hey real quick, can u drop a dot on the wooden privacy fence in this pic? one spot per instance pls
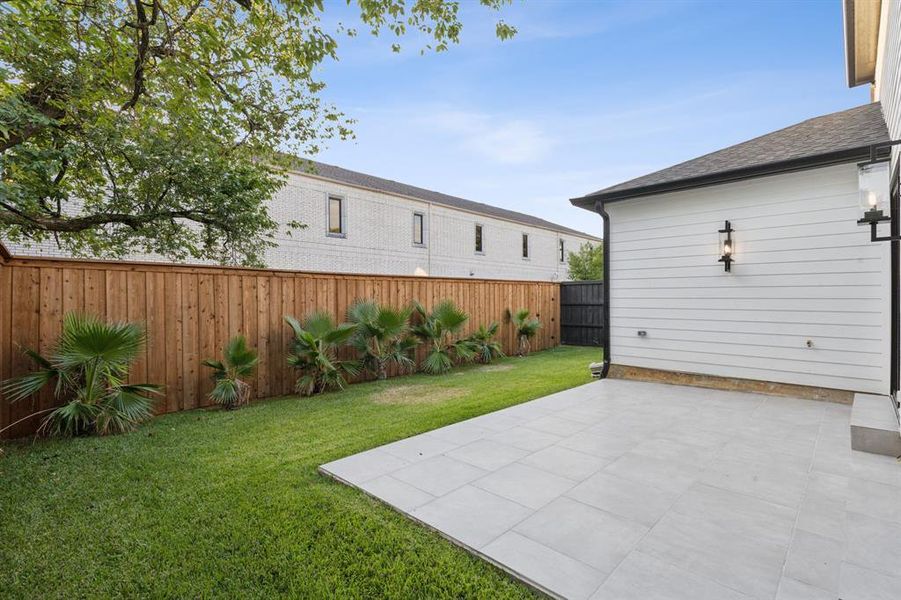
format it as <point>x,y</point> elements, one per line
<point>191,311</point>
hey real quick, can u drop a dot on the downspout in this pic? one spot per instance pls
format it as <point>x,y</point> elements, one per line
<point>605,332</point>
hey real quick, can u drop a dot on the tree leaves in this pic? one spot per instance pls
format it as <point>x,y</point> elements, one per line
<point>588,263</point>
<point>160,126</point>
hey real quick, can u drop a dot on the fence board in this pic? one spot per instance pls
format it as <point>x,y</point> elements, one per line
<point>190,312</point>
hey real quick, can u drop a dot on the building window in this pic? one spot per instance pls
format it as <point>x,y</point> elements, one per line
<point>525,245</point>
<point>562,251</point>
<point>336,216</point>
<point>480,248</point>
<point>418,229</point>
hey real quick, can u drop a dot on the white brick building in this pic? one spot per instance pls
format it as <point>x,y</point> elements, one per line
<point>384,227</point>
<point>382,223</point>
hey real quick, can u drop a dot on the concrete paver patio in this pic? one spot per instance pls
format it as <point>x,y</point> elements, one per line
<point>621,489</point>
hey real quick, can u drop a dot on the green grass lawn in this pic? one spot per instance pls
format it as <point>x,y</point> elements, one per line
<point>229,504</point>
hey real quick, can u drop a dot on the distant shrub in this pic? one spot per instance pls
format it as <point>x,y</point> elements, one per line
<point>438,329</point>
<point>382,337</point>
<point>239,361</point>
<point>483,345</point>
<point>526,328</point>
<point>314,352</point>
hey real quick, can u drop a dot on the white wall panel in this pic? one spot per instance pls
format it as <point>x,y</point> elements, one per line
<point>804,272</point>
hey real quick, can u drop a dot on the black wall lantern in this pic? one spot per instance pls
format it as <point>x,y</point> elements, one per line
<point>874,188</point>
<point>727,248</point>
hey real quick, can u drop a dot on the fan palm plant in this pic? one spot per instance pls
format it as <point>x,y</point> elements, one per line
<point>438,329</point>
<point>382,337</point>
<point>88,369</point>
<point>526,328</point>
<point>230,390</point>
<point>483,344</point>
<point>314,352</point>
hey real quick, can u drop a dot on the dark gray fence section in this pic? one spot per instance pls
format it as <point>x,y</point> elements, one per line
<point>582,313</point>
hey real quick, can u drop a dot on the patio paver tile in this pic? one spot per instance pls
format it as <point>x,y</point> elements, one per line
<point>397,493</point>
<point>699,546</point>
<point>635,501</point>
<point>676,450</point>
<point>643,577</point>
<point>782,484</point>
<point>526,439</point>
<point>439,475</point>
<point>543,566</point>
<point>859,583</point>
<point>738,514</point>
<point>792,589</point>
<point>471,515</point>
<point>815,560</point>
<point>556,425</point>
<point>590,535</point>
<point>417,448</point>
<point>364,466</point>
<point>488,454</point>
<point>666,475</point>
<point>565,462</point>
<point>873,543</point>
<point>599,444</point>
<point>525,485</point>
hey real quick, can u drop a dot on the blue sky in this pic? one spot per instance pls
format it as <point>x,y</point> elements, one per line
<point>588,94</point>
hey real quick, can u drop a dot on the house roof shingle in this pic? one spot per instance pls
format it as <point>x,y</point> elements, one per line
<point>829,139</point>
<point>346,176</point>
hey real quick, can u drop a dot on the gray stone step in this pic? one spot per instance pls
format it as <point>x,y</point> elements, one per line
<point>874,425</point>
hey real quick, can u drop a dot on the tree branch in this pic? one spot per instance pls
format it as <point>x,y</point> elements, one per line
<point>143,26</point>
<point>10,216</point>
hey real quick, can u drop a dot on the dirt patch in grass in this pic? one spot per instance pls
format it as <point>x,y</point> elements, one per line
<point>416,394</point>
<point>495,368</point>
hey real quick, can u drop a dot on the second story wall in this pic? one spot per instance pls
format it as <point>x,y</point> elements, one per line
<point>378,237</point>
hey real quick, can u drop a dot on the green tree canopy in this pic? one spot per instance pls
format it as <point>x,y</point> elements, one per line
<point>163,125</point>
<point>587,264</point>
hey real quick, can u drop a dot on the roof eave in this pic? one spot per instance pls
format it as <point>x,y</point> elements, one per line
<point>861,40</point>
<point>788,166</point>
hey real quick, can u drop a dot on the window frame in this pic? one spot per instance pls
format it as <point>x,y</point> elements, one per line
<point>562,247</point>
<point>526,246</point>
<point>423,243</point>
<point>478,239</point>
<point>342,215</point>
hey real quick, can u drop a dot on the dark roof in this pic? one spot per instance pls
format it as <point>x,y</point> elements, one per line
<point>831,139</point>
<point>395,187</point>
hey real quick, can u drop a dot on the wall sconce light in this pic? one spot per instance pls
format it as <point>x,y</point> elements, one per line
<point>873,189</point>
<point>727,247</point>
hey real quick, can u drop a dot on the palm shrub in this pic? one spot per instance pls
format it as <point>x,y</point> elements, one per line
<point>483,344</point>
<point>238,361</point>
<point>437,329</point>
<point>526,328</point>
<point>314,352</point>
<point>88,369</point>
<point>382,337</point>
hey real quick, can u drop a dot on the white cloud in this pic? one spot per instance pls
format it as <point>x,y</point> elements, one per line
<point>492,137</point>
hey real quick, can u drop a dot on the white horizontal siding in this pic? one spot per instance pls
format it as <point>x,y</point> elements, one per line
<point>804,273</point>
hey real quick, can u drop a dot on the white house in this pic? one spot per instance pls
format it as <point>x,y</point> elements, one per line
<point>797,296</point>
<point>358,223</point>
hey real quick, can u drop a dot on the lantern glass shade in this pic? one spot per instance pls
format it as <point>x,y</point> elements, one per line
<point>874,188</point>
<point>727,244</point>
